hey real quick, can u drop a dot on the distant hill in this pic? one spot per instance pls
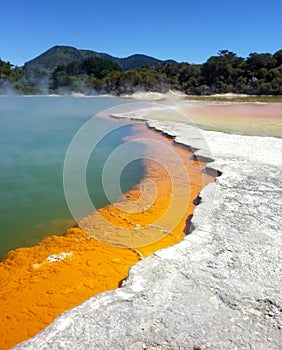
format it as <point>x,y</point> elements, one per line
<point>39,69</point>
<point>138,60</point>
<point>65,69</point>
<point>61,55</point>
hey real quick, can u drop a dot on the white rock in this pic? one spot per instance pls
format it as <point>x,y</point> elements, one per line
<point>218,289</point>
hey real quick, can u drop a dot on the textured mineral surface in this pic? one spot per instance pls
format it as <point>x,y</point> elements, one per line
<point>220,288</point>
<point>40,282</point>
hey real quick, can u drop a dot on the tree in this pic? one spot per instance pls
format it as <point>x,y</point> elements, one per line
<point>278,57</point>
<point>255,61</point>
<point>217,73</point>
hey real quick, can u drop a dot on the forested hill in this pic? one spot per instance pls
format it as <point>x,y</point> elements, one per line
<point>37,72</point>
<point>63,55</point>
<point>66,69</point>
<point>46,63</point>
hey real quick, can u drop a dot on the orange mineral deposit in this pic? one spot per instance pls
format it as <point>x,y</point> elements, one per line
<point>40,282</point>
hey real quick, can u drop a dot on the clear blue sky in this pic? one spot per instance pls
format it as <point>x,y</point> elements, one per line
<point>188,30</point>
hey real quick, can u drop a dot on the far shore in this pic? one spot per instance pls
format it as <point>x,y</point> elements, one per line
<point>167,96</point>
<point>243,118</point>
<point>226,98</point>
<point>231,113</point>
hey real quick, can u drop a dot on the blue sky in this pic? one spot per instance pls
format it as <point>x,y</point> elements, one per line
<point>190,31</point>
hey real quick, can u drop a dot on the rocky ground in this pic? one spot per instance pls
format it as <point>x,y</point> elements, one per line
<point>217,289</point>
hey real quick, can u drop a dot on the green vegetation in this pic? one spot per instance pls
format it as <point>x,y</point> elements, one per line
<point>86,75</point>
<point>64,68</point>
<point>259,74</point>
<point>137,61</point>
<point>13,79</point>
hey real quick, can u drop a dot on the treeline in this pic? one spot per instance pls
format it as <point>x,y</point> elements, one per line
<point>13,79</point>
<point>258,74</point>
<point>86,75</point>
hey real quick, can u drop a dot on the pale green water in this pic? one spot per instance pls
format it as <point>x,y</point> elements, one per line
<point>35,133</point>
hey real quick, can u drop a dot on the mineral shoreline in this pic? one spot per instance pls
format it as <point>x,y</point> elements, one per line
<point>40,282</point>
<point>219,288</point>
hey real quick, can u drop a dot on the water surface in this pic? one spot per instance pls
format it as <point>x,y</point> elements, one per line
<point>35,133</point>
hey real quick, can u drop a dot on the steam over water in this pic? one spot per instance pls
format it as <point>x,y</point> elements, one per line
<point>35,133</point>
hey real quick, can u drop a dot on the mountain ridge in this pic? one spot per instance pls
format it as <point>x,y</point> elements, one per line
<point>65,68</point>
<point>63,54</point>
<point>39,69</point>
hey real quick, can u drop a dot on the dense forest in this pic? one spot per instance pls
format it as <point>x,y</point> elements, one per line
<point>87,75</point>
<point>12,79</point>
<point>258,74</point>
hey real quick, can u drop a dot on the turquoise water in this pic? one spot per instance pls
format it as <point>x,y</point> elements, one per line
<point>35,133</point>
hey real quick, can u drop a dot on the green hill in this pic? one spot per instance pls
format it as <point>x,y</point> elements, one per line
<point>38,70</point>
<point>62,55</point>
<point>64,69</point>
<point>137,61</point>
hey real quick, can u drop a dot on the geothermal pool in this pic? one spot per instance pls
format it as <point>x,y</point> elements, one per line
<point>34,137</point>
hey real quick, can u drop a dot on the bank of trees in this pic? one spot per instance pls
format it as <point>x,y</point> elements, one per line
<point>86,75</point>
<point>12,79</point>
<point>258,74</point>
